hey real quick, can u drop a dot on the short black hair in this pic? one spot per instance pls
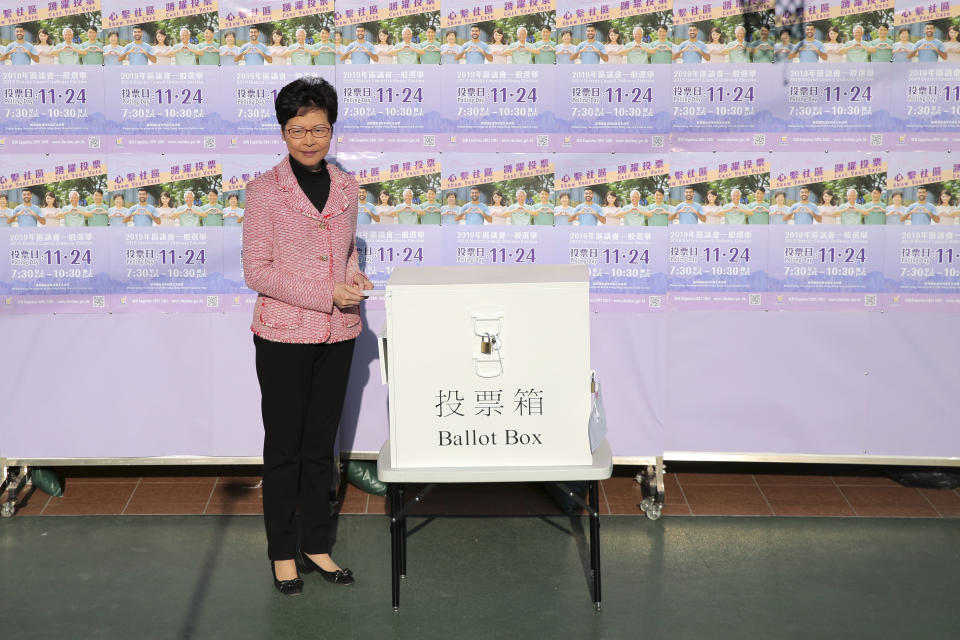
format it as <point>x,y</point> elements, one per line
<point>304,95</point>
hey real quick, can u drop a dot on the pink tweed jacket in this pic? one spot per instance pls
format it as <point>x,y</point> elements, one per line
<point>293,255</point>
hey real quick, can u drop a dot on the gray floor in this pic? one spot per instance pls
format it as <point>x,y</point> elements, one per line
<point>208,577</point>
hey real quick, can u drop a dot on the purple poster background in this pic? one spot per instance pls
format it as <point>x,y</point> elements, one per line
<point>604,109</point>
<point>52,100</point>
<point>491,107</point>
<point>164,100</point>
<point>392,107</point>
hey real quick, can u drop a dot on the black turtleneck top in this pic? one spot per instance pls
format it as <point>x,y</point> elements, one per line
<point>316,184</point>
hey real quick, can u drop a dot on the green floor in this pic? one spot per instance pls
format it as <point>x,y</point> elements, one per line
<point>208,577</point>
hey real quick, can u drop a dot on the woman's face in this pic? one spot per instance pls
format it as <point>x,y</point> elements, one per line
<point>827,198</point>
<point>118,201</point>
<point>833,34</point>
<point>715,36</point>
<point>277,37</point>
<point>904,36</point>
<point>497,37</point>
<point>613,37</point>
<point>452,199</point>
<point>711,198</point>
<point>497,199</point>
<point>384,198</point>
<point>49,199</point>
<point>231,40</point>
<point>383,37</point>
<point>310,149</point>
<point>780,198</point>
<point>44,38</point>
<point>566,38</point>
<point>451,38</point>
<point>565,200</point>
<point>165,200</point>
<point>162,38</point>
<point>611,199</point>
<point>944,198</point>
<point>337,38</point>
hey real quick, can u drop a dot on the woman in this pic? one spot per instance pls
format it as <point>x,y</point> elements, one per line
<point>611,209</point>
<point>779,210</point>
<point>903,49</point>
<point>449,49</point>
<point>338,44</point>
<point>299,254</point>
<point>828,208</point>
<point>50,210</point>
<point>952,44</point>
<point>164,51</point>
<point>44,48</point>
<point>614,47</point>
<point>166,211</point>
<point>385,208</point>
<point>450,211</point>
<point>498,209</point>
<point>278,48</point>
<point>232,213</point>
<point>566,48</point>
<point>113,50</point>
<point>781,51</point>
<point>711,208</point>
<point>563,211</point>
<point>833,45</point>
<point>384,48</point>
<point>717,46</point>
<point>896,211</point>
<point>118,213</point>
<point>497,49</point>
<point>947,212</point>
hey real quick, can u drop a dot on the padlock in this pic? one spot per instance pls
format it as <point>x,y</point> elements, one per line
<point>486,345</point>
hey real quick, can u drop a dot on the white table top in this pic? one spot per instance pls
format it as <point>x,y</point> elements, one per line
<point>600,469</point>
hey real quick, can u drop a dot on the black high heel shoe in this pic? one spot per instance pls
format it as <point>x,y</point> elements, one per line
<point>340,576</point>
<point>286,587</point>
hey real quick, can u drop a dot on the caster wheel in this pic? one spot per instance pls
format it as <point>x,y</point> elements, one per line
<point>7,509</point>
<point>653,511</point>
<point>645,504</point>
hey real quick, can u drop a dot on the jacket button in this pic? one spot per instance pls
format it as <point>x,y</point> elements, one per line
<point>323,258</point>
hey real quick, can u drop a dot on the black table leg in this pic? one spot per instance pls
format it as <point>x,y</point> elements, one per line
<point>403,532</point>
<point>392,490</point>
<point>594,488</point>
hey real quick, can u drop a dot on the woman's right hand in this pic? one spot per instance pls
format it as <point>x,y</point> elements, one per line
<point>346,295</point>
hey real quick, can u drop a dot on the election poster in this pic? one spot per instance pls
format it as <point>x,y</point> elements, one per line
<point>826,250</point>
<point>718,237</point>
<point>168,255</point>
<point>399,211</point>
<point>922,262</point>
<point>605,202</point>
<point>52,262</point>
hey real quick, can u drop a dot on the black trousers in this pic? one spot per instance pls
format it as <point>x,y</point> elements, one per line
<point>302,389</point>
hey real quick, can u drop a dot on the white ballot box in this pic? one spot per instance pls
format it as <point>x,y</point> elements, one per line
<point>488,366</point>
